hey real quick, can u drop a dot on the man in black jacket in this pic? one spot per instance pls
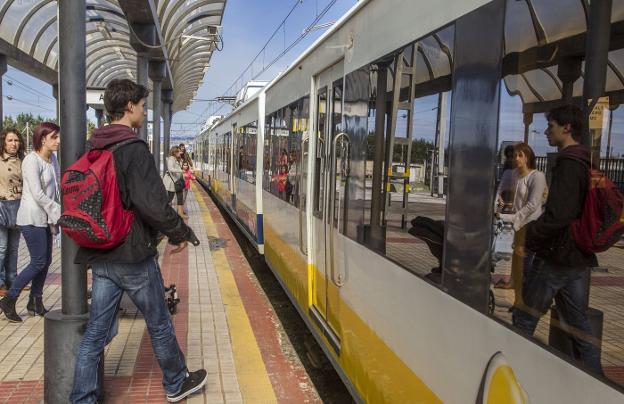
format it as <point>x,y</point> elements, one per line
<point>132,267</point>
<point>558,268</point>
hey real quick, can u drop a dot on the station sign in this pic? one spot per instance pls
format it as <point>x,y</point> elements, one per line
<point>597,117</point>
<point>95,98</point>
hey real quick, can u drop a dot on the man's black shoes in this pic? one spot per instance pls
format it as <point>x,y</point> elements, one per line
<point>193,382</point>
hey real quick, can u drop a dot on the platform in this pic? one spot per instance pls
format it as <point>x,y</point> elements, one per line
<point>224,323</point>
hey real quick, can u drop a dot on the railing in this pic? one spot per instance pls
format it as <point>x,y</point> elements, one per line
<point>613,168</point>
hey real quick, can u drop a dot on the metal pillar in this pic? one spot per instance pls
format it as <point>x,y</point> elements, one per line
<point>157,73</point>
<point>378,162</point>
<point>596,58</point>
<point>568,71</point>
<point>167,99</point>
<point>472,154</point>
<point>145,34</point>
<point>440,140</point>
<point>142,76</point>
<point>99,116</point>
<point>527,119</point>
<point>63,328</point>
<point>3,69</point>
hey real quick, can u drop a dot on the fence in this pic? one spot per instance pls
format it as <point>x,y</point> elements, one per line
<point>612,168</point>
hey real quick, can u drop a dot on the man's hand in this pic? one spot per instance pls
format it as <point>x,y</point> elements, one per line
<point>179,247</point>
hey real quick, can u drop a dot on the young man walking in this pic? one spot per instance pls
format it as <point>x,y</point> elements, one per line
<point>559,268</point>
<point>132,267</point>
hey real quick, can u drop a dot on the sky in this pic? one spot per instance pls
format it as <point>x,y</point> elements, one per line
<point>247,25</point>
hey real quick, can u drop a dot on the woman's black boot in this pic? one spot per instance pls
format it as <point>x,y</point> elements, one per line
<point>35,306</point>
<point>7,305</point>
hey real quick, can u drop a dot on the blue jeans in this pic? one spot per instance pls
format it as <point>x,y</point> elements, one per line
<point>544,282</point>
<point>144,285</point>
<point>39,243</point>
<point>9,246</point>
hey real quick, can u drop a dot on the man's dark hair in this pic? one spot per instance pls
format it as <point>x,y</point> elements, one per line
<point>117,95</point>
<point>568,114</point>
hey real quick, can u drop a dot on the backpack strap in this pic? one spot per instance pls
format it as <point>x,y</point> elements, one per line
<point>117,145</point>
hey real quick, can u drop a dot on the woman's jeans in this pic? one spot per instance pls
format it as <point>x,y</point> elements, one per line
<point>9,246</point>
<point>39,243</point>
<point>144,285</point>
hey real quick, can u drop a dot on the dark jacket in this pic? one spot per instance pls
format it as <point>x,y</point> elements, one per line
<point>549,236</point>
<point>143,192</point>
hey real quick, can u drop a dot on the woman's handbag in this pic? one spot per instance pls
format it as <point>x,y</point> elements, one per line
<point>8,213</point>
<point>178,184</point>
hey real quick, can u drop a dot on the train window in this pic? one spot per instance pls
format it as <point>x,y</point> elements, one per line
<point>246,153</point>
<point>396,200</point>
<point>268,131</point>
<point>537,266</point>
<point>288,126</point>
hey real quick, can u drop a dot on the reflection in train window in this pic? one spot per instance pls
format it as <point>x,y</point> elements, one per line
<point>398,133</point>
<point>533,177</point>
<point>283,170</point>
<point>246,152</point>
<point>319,174</point>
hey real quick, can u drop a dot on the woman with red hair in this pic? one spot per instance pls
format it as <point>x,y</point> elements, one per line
<point>37,216</point>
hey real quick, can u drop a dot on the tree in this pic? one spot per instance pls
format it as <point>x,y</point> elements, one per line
<point>26,123</point>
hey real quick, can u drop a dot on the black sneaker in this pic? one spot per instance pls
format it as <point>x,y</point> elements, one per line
<point>193,382</point>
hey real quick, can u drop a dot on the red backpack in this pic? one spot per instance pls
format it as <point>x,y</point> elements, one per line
<point>93,213</point>
<point>601,224</point>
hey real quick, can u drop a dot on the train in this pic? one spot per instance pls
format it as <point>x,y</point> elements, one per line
<point>320,170</point>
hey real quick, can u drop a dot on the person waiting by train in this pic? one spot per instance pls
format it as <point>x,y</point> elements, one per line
<point>11,157</point>
<point>529,196</point>
<point>188,177</point>
<point>185,156</point>
<point>38,214</point>
<point>174,175</point>
<point>559,268</point>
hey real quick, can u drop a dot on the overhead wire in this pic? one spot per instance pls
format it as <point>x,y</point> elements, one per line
<point>11,98</point>
<point>12,81</point>
<point>260,52</point>
<point>282,54</point>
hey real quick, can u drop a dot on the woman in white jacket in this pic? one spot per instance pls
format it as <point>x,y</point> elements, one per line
<point>173,174</point>
<point>37,216</point>
<point>529,196</point>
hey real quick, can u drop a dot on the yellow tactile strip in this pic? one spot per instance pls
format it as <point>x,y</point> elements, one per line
<point>254,382</point>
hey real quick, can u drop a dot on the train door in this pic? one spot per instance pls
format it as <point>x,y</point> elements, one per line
<point>328,119</point>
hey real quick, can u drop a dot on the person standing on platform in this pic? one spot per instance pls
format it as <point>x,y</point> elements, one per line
<point>188,177</point>
<point>11,157</point>
<point>37,217</point>
<point>174,174</point>
<point>560,269</point>
<point>132,267</point>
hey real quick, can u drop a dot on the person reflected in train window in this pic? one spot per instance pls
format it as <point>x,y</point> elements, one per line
<point>279,180</point>
<point>291,180</point>
<point>283,160</point>
<point>504,193</point>
<point>559,269</point>
<point>242,162</point>
<point>529,196</point>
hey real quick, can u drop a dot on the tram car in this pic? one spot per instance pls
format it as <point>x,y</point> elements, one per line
<point>319,168</point>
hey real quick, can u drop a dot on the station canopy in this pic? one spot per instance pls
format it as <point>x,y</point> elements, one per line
<point>539,35</point>
<point>187,34</point>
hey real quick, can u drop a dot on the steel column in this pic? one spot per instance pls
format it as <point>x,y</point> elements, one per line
<point>472,154</point>
<point>378,162</point>
<point>63,329</point>
<point>3,69</point>
<point>596,58</point>
<point>167,99</point>
<point>142,76</point>
<point>99,116</point>
<point>157,73</point>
